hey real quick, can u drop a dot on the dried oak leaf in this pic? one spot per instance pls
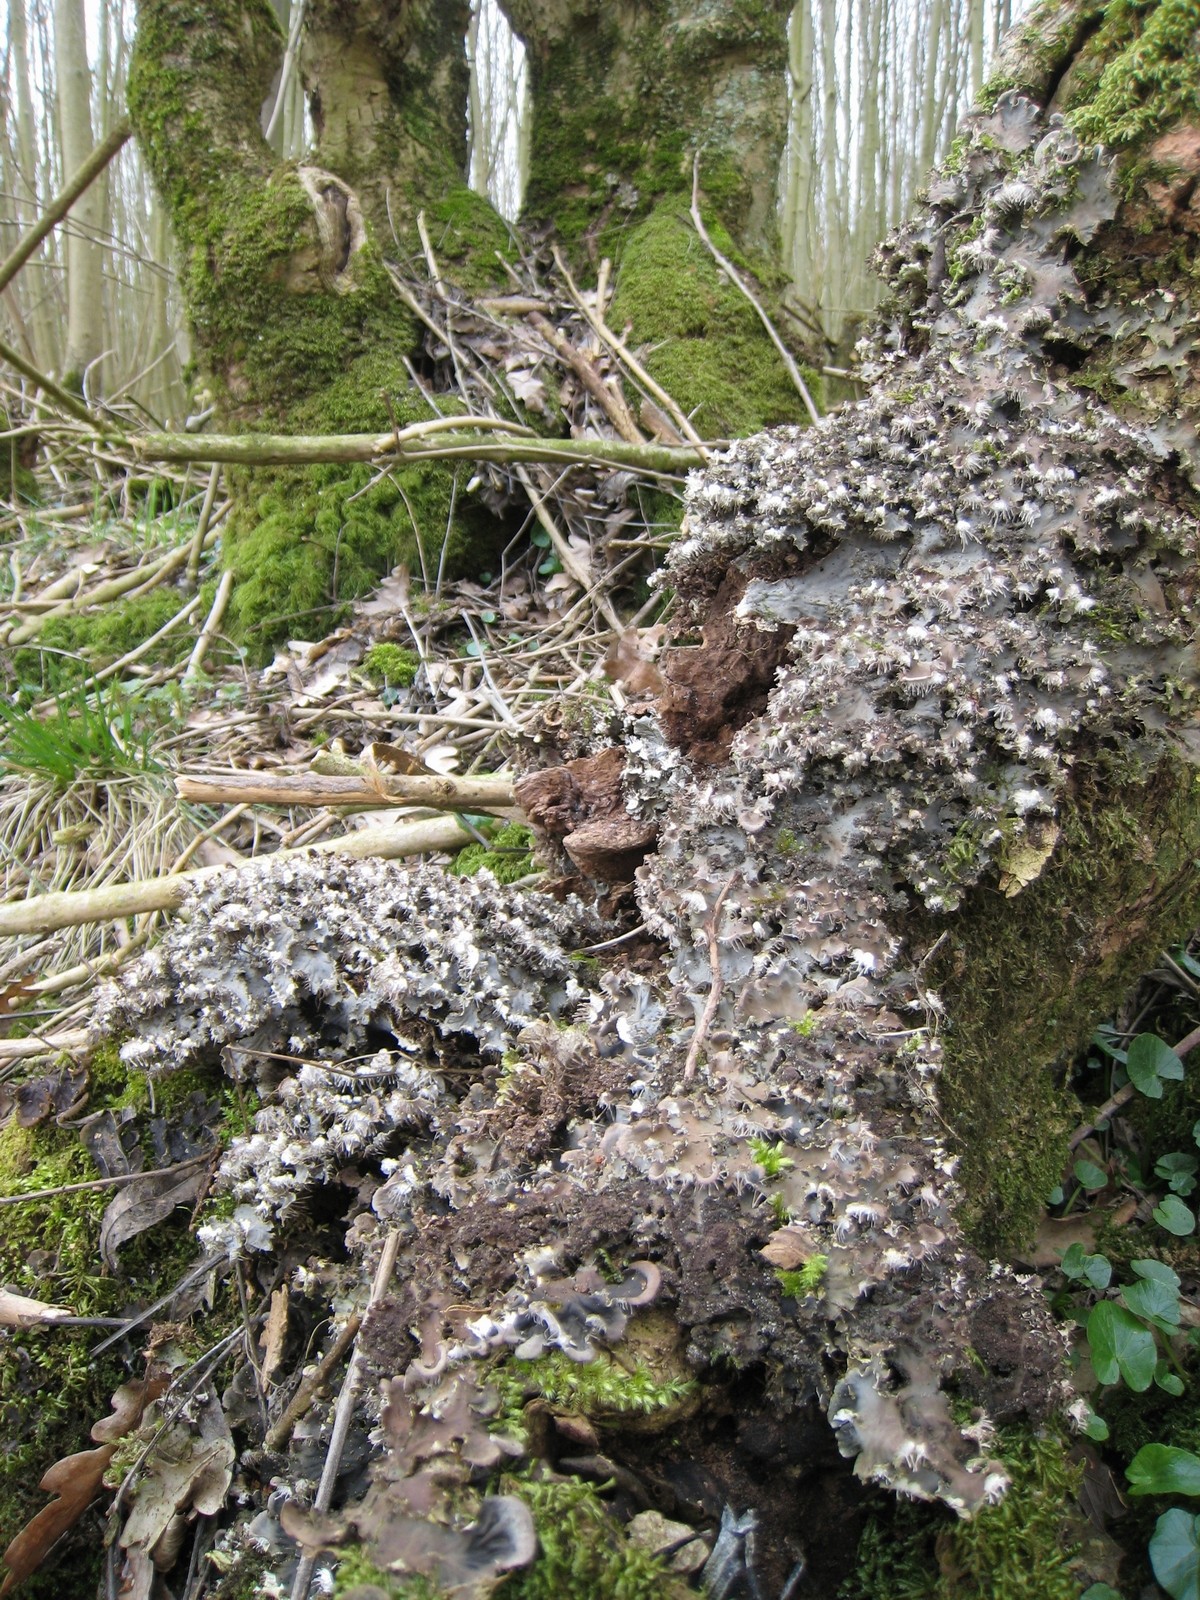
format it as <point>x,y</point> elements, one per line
<point>187,1471</point>
<point>142,1204</point>
<point>75,1481</point>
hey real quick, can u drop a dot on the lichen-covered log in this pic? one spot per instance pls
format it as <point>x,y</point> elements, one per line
<point>916,794</point>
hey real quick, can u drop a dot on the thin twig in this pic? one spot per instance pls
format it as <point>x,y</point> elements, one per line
<point>277,1434</point>
<point>1124,1094</point>
<point>113,1182</point>
<point>738,282</point>
<point>344,1412</point>
<point>716,982</point>
<point>211,624</point>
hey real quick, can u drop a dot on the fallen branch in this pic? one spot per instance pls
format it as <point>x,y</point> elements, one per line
<point>314,789</point>
<point>64,200</point>
<point>45,913</point>
<point>606,395</point>
<point>282,450</point>
<point>212,623</point>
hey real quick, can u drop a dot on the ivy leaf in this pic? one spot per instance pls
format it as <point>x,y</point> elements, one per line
<point>1196,1131</point>
<point>1095,1271</point>
<point>1174,1216</point>
<point>1155,1301</point>
<point>1170,1382</point>
<point>1148,1267</point>
<point>1163,1469</point>
<point>1150,1062</point>
<point>1121,1346</point>
<point>1090,1175</point>
<point>1100,1591</point>
<point>1175,1554</point>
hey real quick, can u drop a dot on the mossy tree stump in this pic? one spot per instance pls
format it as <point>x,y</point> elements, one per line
<point>295,322</point>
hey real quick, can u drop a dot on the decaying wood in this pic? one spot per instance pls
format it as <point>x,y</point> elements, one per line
<point>45,912</point>
<point>304,789</point>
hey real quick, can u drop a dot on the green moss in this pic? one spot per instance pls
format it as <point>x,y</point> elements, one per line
<point>708,348</point>
<point>72,647</point>
<point>603,1389</point>
<point>1026,978</point>
<point>355,1568</point>
<point>508,855</point>
<point>1140,74</point>
<point>1020,1549</point>
<point>808,1280</point>
<point>303,541</point>
<point>583,1554</point>
<point>391,666</point>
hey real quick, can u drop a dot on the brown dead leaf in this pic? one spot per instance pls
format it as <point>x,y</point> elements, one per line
<point>128,1404</point>
<point>629,665</point>
<point>12,997</point>
<point>75,1481</point>
<point>1055,1235</point>
<point>142,1204</point>
<point>184,1472</point>
<point>55,1094</point>
<point>788,1248</point>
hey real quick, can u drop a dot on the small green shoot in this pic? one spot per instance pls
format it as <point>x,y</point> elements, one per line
<point>89,735</point>
<point>770,1158</point>
<point>807,1281</point>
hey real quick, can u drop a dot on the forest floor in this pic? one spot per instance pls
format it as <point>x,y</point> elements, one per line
<point>131,727</point>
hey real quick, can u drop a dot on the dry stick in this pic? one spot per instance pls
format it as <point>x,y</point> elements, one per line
<point>212,623</point>
<point>609,398</point>
<point>1125,1094</point>
<point>277,1434</point>
<point>313,789</point>
<point>98,967</point>
<point>716,982</point>
<point>282,450</point>
<point>45,913</point>
<point>735,278</point>
<point>564,552</point>
<point>111,589</point>
<point>65,401</point>
<point>37,1044</point>
<point>344,1412</point>
<point>623,353</point>
<point>103,1183</point>
<point>430,259</point>
<point>197,549</point>
<point>64,200</point>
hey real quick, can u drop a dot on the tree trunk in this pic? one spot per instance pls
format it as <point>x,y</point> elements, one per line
<point>912,813</point>
<point>295,321</point>
<point>84,247</point>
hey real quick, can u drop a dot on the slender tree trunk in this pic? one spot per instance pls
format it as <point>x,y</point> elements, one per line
<point>84,248</point>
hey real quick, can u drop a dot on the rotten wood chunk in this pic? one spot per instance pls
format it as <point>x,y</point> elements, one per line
<point>582,807</point>
<point>713,688</point>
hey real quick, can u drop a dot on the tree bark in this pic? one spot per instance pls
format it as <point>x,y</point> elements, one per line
<point>84,248</point>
